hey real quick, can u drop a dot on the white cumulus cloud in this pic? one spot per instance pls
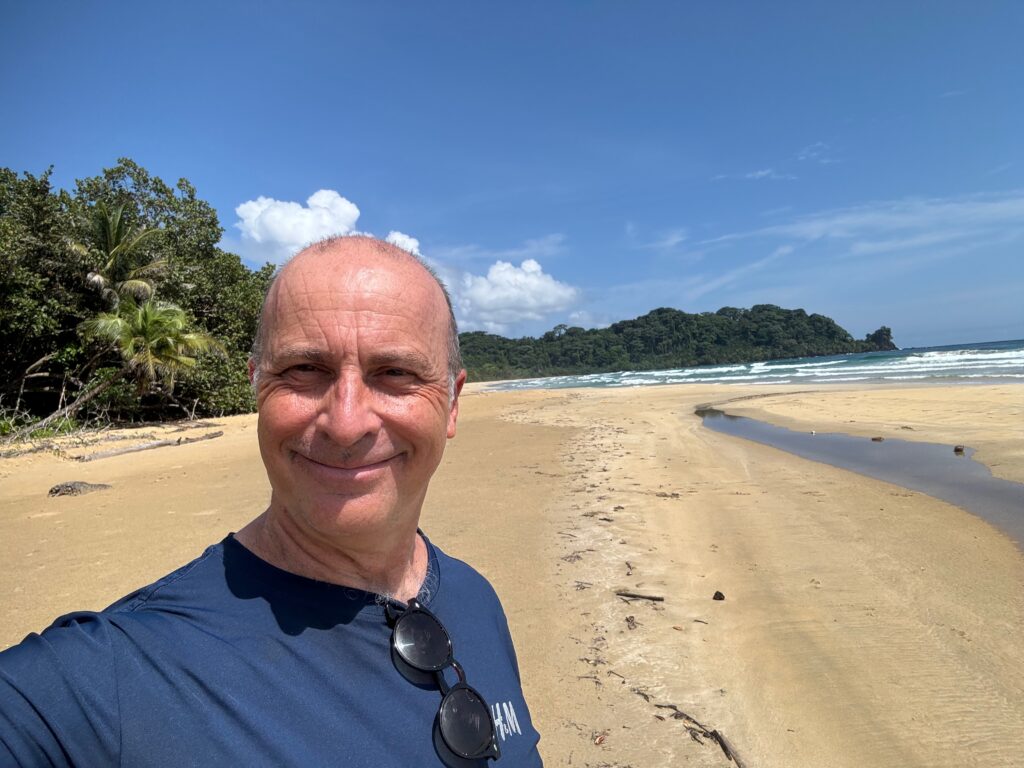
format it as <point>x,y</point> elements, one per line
<point>278,228</point>
<point>404,241</point>
<point>508,295</point>
<point>504,300</point>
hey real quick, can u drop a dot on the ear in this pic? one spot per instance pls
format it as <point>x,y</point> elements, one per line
<point>252,371</point>
<point>453,413</point>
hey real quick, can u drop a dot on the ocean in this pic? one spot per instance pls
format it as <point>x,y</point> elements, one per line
<point>992,362</point>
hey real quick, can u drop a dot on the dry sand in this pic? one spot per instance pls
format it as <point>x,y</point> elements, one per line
<point>863,625</point>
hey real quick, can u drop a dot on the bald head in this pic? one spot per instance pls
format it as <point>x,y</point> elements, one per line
<point>328,254</point>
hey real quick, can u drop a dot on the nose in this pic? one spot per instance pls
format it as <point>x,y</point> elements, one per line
<point>348,410</point>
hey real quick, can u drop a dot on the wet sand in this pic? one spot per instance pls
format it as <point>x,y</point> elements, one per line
<point>862,625</point>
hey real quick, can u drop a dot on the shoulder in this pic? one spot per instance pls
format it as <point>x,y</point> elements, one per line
<point>467,602</point>
<point>84,642</point>
<point>198,577</point>
<point>459,580</point>
<point>61,690</point>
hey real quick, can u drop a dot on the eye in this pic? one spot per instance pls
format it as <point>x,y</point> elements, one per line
<point>301,368</point>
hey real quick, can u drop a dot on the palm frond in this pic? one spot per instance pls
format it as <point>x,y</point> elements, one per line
<point>119,246</point>
<point>152,338</point>
<point>136,289</point>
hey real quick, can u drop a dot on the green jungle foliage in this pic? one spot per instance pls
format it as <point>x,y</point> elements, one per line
<point>665,338</point>
<point>117,304</point>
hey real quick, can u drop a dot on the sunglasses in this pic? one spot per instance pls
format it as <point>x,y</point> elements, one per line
<point>420,640</point>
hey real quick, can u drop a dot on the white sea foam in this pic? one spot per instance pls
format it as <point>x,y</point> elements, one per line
<point>801,365</point>
<point>1004,362</point>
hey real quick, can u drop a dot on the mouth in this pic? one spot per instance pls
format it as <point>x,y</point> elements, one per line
<point>345,470</point>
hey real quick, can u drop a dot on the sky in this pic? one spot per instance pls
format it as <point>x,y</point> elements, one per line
<point>571,162</point>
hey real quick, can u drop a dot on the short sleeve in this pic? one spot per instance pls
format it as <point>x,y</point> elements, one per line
<point>59,697</point>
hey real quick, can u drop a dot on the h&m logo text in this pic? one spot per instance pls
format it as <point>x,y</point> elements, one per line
<point>505,721</point>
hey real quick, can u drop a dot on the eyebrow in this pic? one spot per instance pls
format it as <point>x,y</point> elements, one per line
<point>397,358</point>
<point>309,354</point>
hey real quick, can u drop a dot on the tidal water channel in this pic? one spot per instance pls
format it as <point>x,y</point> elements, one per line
<point>930,468</point>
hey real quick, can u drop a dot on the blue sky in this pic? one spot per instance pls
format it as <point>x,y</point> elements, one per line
<point>572,162</point>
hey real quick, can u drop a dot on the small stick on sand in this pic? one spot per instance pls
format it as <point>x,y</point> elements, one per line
<point>638,596</point>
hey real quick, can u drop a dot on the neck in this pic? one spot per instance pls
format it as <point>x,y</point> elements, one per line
<point>394,565</point>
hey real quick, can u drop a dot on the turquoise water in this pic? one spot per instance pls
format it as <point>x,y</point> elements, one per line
<point>990,362</point>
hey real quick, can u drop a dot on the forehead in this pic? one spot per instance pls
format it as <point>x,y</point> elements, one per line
<point>384,297</point>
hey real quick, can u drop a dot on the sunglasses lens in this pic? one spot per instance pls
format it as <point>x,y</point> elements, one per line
<point>422,642</point>
<point>466,724</point>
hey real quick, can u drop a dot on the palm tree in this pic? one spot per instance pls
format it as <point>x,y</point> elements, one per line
<point>153,342</point>
<point>117,245</point>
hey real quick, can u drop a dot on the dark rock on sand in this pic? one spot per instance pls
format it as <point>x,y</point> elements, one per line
<point>718,596</point>
<point>76,488</point>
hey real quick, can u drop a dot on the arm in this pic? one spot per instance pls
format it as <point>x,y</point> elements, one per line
<point>58,696</point>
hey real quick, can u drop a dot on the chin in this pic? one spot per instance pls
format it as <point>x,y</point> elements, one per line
<point>349,515</point>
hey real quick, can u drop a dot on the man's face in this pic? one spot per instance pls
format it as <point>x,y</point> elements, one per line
<point>352,394</point>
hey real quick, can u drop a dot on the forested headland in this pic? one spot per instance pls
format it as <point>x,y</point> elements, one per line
<point>664,339</point>
<point>117,305</point>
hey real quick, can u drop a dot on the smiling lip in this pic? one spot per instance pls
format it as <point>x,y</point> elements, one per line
<point>353,470</point>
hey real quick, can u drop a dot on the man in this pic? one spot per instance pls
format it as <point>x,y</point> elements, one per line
<point>328,631</point>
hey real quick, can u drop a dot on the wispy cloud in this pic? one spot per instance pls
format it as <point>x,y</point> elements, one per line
<point>891,245</point>
<point>772,213</point>
<point>953,94</point>
<point>736,274</point>
<point>769,173</point>
<point>667,241</point>
<point>845,250</point>
<point>762,174</point>
<point>999,169</point>
<point>542,247</point>
<point>956,217</point>
<point>859,264</point>
<point>819,152</point>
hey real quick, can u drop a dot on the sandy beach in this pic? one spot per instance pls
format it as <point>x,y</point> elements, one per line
<point>863,624</point>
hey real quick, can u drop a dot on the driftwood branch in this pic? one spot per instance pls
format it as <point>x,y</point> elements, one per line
<point>638,596</point>
<point>697,730</point>
<point>147,447</point>
<point>727,748</point>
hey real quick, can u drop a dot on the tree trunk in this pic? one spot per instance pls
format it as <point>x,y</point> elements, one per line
<point>26,375</point>
<point>60,413</point>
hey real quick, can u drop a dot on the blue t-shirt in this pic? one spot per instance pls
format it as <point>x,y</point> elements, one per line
<point>231,661</point>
